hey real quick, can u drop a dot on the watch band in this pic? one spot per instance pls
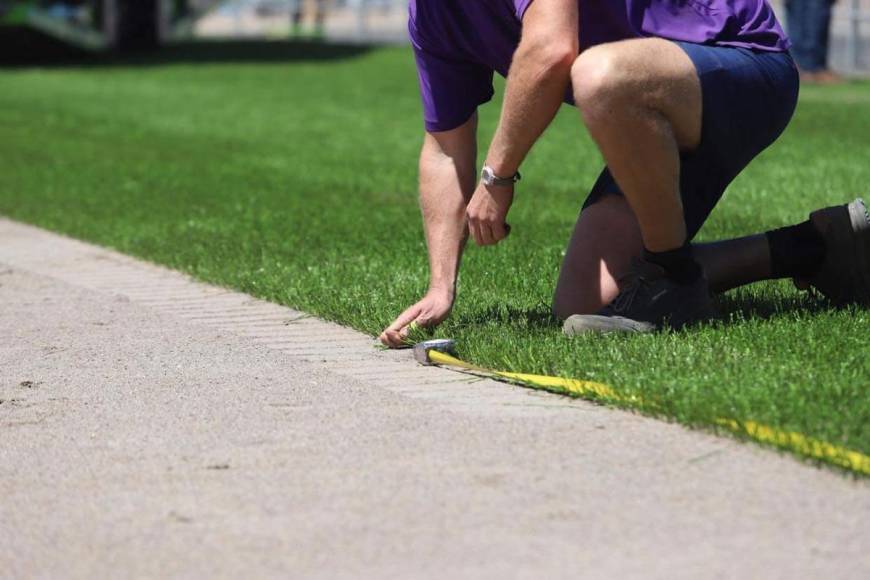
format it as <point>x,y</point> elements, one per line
<point>488,177</point>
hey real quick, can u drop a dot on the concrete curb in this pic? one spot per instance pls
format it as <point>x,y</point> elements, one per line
<point>337,349</point>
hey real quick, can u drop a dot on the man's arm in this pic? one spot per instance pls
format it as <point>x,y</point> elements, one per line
<point>536,85</point>
<point>447,178</point>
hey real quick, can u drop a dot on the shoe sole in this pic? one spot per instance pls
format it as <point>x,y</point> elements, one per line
<point>597,324</point>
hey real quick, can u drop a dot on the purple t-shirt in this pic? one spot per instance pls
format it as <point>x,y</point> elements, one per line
<point>459,44</point>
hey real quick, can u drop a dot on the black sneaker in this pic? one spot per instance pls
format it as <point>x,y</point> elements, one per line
<point>648,301</point>
<point>844,276</point>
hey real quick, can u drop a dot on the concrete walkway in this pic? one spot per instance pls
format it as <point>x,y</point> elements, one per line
<point>151,426</point>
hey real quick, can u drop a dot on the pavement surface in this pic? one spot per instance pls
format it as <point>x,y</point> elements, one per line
<point>152,426</point>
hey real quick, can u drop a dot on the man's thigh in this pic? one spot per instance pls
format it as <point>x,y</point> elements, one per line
<point>748,99</point>
<point>651,73</point>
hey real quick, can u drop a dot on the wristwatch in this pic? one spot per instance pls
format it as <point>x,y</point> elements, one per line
<point>488,177</point>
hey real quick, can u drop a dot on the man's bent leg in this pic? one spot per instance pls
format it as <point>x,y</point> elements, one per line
<point>664,116</point>
<point>607,238</point>
<point>831,251</point>
<point>641,101</point>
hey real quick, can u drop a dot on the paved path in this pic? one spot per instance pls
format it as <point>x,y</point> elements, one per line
<point>151,426</point>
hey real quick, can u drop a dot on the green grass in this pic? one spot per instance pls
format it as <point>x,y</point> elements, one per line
<point>295,179</point>
<point>17,14</point>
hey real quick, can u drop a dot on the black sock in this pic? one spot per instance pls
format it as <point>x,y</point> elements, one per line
<point>679,264</point>
<point>795,251</point>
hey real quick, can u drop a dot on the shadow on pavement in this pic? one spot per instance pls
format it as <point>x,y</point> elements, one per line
<point>21,47</point>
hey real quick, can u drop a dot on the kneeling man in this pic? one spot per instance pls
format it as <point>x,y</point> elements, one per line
<point>678,95</point>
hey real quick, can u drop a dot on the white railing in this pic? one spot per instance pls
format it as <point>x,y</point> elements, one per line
<point>856,15</point>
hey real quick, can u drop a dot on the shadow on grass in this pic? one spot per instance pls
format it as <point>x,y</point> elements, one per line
<point>745,306</point>
<point>535,318</point>
<point>731,308</point>
<point>22,47</point>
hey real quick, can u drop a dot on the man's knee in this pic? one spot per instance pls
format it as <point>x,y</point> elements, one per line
<point>598,80</point>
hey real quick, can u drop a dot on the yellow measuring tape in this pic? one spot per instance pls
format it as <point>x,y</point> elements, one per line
<point>797,442</point>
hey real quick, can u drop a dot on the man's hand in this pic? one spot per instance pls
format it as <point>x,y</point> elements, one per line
<point>487,212</point>
<point>429,312</point>
<point>447,177</point>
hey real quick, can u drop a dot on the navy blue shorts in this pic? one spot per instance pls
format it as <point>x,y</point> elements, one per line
<point>749,97</point>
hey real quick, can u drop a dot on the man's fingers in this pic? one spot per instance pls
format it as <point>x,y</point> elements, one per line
<point>394,338</point>
<point>388,338</point>
<point>397,337</point>
<point>474,229</point>
<point>395,333</point>
<point>405,318</point>
<point>484,234</point>
<point>491,236</point>
<point>498,232</point>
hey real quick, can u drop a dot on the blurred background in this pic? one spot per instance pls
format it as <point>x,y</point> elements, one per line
<point>124,25</point>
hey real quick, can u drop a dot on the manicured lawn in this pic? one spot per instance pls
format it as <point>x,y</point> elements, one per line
<point>16,14</point>
<point>294,178</point>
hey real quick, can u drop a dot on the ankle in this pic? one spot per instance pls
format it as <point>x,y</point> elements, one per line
<point>679,264</point>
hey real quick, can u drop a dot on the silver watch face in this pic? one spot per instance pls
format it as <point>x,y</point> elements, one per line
<point>487,175</point>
